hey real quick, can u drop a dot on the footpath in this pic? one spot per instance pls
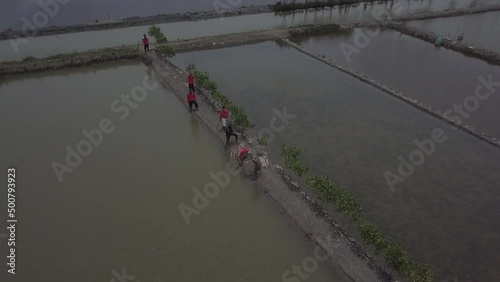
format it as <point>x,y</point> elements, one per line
<point>344,253</point>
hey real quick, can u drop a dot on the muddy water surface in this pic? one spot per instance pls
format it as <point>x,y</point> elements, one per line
<point>50,45</point>
<point>437,77</point>
<point>445,212</point>
<point>119,208</point>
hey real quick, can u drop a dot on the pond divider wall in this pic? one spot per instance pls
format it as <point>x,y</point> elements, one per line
<point>487,55</point>
<point>428,109</point>
<point>67,60</point>
<point>126,52</point>
<point>448,13</point>
<point>345,254</point>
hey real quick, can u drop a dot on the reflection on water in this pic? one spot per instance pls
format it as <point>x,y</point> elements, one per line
<point>435,76</point>
<point>446,212</point>
<point>44,46</point>
<point>119,208</point>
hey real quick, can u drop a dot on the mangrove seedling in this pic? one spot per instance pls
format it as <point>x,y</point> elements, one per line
<point>263,141</point>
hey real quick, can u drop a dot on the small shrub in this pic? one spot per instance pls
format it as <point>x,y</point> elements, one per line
<point>157,34</point>
<point>167,50</point>
<point>263,141</point>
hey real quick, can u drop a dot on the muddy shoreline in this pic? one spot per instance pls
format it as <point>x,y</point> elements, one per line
<point>346,255</point>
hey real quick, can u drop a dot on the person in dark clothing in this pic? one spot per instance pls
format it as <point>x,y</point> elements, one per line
<point>145,42</point>
<point>191,97</point>
<point>230,132</point>
<point>257,167</point>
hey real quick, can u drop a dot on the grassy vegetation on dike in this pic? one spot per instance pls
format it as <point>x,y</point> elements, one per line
<point>348,205</point>
<point>160,44</point>
<point>238,115</point>
<point>125,49</point>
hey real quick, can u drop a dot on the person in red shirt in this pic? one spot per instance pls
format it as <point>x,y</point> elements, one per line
<point>191,82</point>
<point>191,97</point>
<point>145,42</point>
<point>224,114</point>
<point>244,153</point>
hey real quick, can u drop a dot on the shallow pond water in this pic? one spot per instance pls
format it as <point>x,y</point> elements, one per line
<point>437,77</point>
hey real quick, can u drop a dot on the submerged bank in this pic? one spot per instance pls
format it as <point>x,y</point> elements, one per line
<point>417,104</point>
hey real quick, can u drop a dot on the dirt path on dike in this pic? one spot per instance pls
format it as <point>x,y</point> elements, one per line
<point>345,254</point>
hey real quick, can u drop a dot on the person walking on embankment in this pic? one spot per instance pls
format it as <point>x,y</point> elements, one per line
<point>145,42</point>
<point>191,81</point>
<point>224,114</point>
<point>191,97</point>
<point>230,132</point>
<point>243,155</point>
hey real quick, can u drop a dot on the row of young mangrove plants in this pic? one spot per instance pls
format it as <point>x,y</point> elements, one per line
<point>348,205</point>
<point>238,115</point>
<point>327,191</point>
